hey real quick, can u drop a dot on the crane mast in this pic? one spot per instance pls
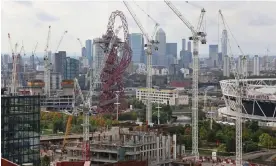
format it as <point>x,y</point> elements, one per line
<point>197,37</point>
<point>239,74</point>
<point>47,66</point>
<point>87,102</point>
<point>151,44</point>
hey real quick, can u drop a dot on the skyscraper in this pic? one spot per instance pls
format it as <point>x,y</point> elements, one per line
<point>183,45</point>
<point>171,53</point>
<point>71,69</point>
<point>161,53</point>
<point>59,62</point>
<point>83,51</point>
<point>88,46</point>
<point>189,46</point>
<point>98,55</point>
<point>137,47</point>
<point>224,39</point>
<point>226,66</point>
<point>213,55</point>
<point>256,69</point>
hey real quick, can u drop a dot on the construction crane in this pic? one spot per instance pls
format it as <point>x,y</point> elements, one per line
<point>83,53</point>
<point>61,40</point>
<point>198,36</point>
<point>87,101</point>
<point>239,91</point>
<point>47,66</point>
<point>151,44</point>
<point>14,84</point>
<point>33,54</point>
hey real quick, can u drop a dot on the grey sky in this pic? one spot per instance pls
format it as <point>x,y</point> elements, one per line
<point>252,23</point>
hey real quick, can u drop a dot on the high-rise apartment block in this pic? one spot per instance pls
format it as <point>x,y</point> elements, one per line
<point>137,46</point>
<point>226,66</point>
<point>161,53</point>
<point>59,62</point>
<point>224,40</point>
<point>213,55</point>
<point>89,49</point>
<point>98,55</point>
<point>71,68</point>
<point>256,70</point>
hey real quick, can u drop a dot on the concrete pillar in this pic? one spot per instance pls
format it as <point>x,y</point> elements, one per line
<point>174,146</point>
<point>163,147</point>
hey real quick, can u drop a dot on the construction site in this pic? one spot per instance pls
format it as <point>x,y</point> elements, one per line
<point>142,144</point>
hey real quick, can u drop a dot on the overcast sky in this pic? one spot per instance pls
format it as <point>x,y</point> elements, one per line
<point>252,23</point>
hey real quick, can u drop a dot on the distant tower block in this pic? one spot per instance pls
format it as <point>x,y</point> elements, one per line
<point>35,87</point>
<point>68,87</point>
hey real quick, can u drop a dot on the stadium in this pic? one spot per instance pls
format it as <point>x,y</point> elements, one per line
<point>258,99</point>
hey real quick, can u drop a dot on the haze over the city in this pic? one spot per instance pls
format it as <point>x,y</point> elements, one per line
<point>252,23</point>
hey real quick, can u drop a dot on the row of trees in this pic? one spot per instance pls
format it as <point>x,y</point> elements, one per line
<point>223,137</point>
<point>57,122</point>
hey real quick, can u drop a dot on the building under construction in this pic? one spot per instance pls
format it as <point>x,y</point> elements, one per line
<point>124,145</point>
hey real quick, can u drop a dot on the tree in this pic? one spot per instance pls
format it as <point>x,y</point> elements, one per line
<point>222,148</point>
<point>253,126</point>
<point>203,133</point>
<point>250,146</point>
<point>230,145</point>
<point>265,140</point>
<point>45,161</point>
<point>211,136</point>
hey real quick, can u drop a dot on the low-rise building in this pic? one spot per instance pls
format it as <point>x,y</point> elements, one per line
<point>162,96</point>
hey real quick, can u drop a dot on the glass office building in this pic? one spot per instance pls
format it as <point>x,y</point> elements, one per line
<point>20,129</point>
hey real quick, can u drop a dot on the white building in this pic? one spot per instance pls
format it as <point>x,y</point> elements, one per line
<point>159,71</point>
<point>226,66</point>
<point>162,96</point>
<point>98,55</point>
<point>161,52</point>
<point>185,72</point>
<point>224,39</point>
<point>55,81</point>
<point>256,70</point>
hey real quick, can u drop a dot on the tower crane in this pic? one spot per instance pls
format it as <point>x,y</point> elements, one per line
<point>61,40</point>
<point>83,51</point>
<point>197,36</point>
<point>151,44</point>
<point>87,102</point>
<point>15,58</point>
<point>239,92</point>
<point>47,66</point>
<point>33,54</point>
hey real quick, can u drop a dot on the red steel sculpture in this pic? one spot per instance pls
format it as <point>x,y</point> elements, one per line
<point>115,66</point>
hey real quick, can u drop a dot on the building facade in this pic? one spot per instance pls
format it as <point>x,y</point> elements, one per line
<point>59,62</point>
<point>71,69</point>
<point>98,54</point>
<point>224,39</point>
<point>161,52</point>
<point>89,50</point>
<point>163,96</point>
<point>226,66</point>
<point>256,61</point>
<point>137,46</point>
<point>213,55</point>
<point>20,134</point>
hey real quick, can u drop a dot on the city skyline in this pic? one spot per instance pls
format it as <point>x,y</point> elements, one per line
<point>33,18</point>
